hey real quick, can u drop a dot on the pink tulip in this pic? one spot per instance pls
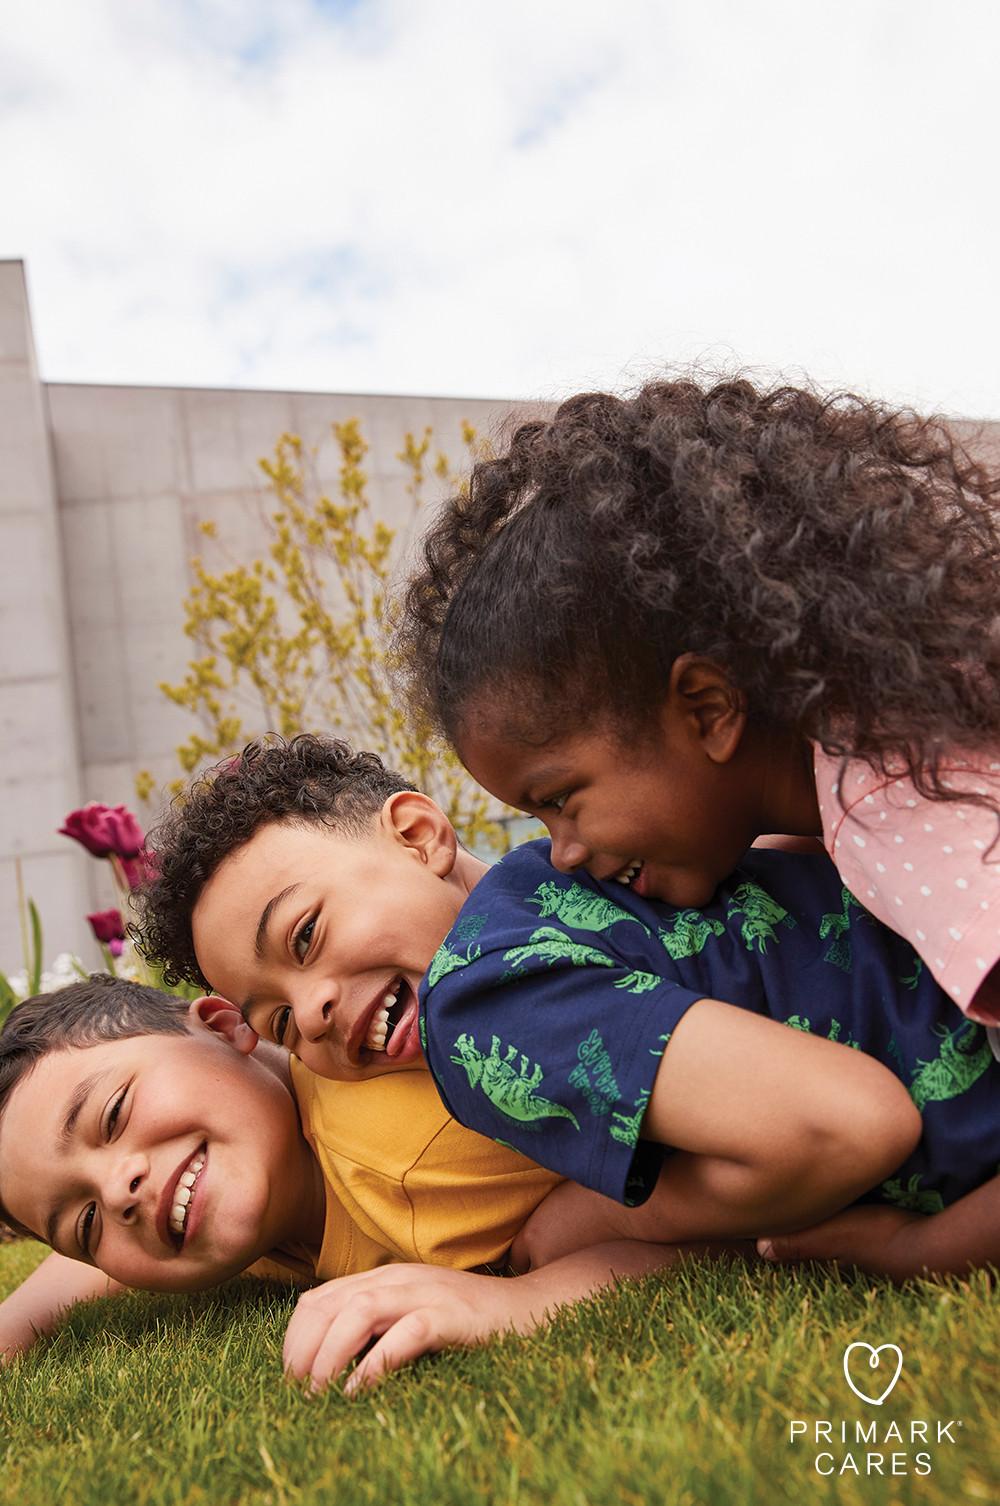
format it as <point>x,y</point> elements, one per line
<point>105,829</point>
<point>108,928</point>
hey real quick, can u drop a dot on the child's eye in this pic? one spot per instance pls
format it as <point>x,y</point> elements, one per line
<point>279,1024</point>
<point>85,1228</point>
<point>116,1109</point>
<point>554,802</point>
<point>302,938</point>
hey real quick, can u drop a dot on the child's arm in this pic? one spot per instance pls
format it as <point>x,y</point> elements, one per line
<point>779,1124</point>
<point>35,1307</point>
<point>896,1243</point>
<point>772,1123</point>
<point>412,1310</point>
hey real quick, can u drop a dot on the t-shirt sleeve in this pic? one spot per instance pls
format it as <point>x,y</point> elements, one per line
<point>552,1047</point>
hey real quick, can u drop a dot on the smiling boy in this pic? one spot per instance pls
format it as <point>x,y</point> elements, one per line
<point>156,1145</point>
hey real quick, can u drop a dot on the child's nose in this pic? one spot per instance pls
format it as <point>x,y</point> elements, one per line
<point>568,853</point>
<point>313,1015</point>
<point>128,1182</point>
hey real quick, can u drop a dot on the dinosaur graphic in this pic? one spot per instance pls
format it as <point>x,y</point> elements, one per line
<point>579,908</point>
<point>508,1083</point>
<point>625,1127</point>
<point>446,961</point>
<point>799,1022</point>
<point>964,1056</point>
<point>911,1196</point>
<point>550,945</point>
<point>688,934</point>
<point>837,923</point>
<point>639,982</point>
<point>913,979</point>
<point>762,915</point>
<point>665,1039</point>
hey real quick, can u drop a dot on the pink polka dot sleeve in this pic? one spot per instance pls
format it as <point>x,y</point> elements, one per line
<point>918,865</point>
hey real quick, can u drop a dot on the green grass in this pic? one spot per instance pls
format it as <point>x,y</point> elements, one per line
<point>677,1390</point>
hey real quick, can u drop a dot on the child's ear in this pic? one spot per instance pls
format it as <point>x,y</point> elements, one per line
<point>710,705</point>
<point>222,1018</point>
<point>423,828</point>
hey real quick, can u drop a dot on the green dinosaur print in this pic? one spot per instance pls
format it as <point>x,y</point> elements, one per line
<point>468,927</point>
<point>762,915</point>
<point>509,1084</point>
<point>964,1056</point>
<point>422,1027</point>
<point>579,908</point>
<point>446,961</point>
<point>665,1040</point>
<point>913,979</point>
<point>689,933</point>
<point>911,1196</point>
<point>799,1022</point>
<point>550,945</point>
<point>837,924</point>
<point>625,1127</point>
<point>638,982</point>
<point>593,1077</point>
<point>895,1053</point>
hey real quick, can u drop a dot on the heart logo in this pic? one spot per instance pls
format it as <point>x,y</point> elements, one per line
<point>873,1364</point>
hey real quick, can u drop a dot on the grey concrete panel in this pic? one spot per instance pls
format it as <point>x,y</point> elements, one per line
<point>227,432</point>
<point>31,640</point>
<point>25,473</point>
<point>16,345</point>
<point>117,442</point>
<point>91,574</point>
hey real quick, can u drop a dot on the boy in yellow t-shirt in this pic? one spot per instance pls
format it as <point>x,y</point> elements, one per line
<point>153,1144</point>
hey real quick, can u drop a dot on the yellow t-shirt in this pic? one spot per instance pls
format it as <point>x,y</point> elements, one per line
<point>406,1181</point>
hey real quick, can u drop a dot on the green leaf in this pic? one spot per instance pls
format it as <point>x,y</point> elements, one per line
<point>8,998</point>
<point>35,963</point>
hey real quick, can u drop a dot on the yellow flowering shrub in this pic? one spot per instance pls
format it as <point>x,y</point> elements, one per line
<point>297,639</point>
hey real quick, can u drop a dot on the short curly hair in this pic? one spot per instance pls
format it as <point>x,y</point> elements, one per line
<point>837,557</point>
<point>305,781</point>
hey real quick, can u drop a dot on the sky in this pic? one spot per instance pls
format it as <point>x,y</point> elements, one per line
<point>517,199</point>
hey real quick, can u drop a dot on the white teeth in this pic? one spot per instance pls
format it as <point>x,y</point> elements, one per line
<point>629,872</point>
<point>378,1028</point>
<point>183,1194</point>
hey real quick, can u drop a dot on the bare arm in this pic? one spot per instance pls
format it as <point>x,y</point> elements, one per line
<point>411,1310</point>
<point>783,1127</point>
<point>775,1129</point>
<point>37,1305</point>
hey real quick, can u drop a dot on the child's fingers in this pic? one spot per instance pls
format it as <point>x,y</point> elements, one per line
<point>423,1330</point>
<point>333,1324</point>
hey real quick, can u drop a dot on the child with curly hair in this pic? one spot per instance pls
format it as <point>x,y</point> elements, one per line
<point>671,624</point>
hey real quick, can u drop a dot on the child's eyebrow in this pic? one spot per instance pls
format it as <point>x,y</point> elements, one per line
<point>74,1108</point>
<point>542,776</point>
<point>265,917</point>
<point>76,1105</point>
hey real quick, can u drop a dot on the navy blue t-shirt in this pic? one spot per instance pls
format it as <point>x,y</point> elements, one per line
<point>545,1013</point>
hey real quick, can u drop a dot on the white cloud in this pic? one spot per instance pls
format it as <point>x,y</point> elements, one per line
<point>519,199</point>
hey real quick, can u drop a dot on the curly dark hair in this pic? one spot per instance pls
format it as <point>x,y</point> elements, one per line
<point>841,560</point>
<point>308,780</point>
<point>98,1008</point>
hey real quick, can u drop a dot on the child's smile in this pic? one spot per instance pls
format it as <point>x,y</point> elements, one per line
<point>322,937</point>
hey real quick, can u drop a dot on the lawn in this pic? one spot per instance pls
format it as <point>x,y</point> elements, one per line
<point>674,1390</point>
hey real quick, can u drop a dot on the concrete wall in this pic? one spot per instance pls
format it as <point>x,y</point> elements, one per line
<point>101,493</point>
<point>102,490</point>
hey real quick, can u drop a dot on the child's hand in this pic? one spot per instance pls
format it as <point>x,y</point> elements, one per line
<point>409,1310</point>
<point>884,1241</point>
